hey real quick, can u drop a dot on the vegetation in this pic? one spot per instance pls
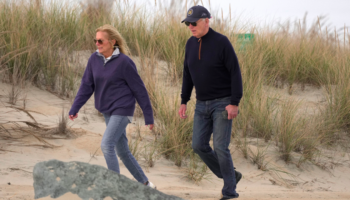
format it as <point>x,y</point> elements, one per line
<point>38,42</point>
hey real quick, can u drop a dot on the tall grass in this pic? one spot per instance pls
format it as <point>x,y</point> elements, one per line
<point>337,113</point>
<point>34,36</point>
<point>289,129</point>
<point>176,133</point>
<point>36,41</point>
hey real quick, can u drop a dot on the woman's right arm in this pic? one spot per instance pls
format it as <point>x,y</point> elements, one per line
<point>87,88</point>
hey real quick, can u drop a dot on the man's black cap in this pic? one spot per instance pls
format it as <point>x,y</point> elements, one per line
<point>195,13</point>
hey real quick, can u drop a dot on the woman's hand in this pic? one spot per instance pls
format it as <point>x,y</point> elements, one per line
<point>72,117</point>
<point>150,126</point>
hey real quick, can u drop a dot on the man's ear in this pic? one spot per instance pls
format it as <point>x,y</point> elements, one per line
<point>207,20</point>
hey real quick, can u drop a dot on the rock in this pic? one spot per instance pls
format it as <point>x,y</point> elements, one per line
<point>95,182</point>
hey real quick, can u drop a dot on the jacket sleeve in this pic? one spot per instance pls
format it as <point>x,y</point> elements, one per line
<point>187,83</point>
<point>139,90</point>
<point>87,88</point>
<point>232,65</point>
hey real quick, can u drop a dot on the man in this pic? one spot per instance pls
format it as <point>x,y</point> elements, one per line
<point>211,66</point>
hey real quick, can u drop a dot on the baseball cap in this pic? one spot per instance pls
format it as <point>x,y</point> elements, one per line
<point>195,13</point>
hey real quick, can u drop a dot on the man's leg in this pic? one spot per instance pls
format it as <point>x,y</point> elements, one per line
<point>202,130</point>
<point>222,136</point>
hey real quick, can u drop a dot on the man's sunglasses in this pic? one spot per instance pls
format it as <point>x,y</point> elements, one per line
<point>192,23</point>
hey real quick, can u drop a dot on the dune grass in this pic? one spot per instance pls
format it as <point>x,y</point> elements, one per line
<point>38,41</point>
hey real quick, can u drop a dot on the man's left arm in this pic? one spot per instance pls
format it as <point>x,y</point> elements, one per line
<point>232,65</point>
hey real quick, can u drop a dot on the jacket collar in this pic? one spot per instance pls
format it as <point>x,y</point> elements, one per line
<point>115,53</point>
<point>208,34</point>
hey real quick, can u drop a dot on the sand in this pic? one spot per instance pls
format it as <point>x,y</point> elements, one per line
<point>308,182</point>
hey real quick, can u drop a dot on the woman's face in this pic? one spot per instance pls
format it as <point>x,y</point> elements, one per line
<point>106,47</point>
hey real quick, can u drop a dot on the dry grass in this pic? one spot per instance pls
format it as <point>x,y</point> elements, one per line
<point>134,146</point>
<point>15,133</point>
<point>63,124</point>
<point>196,170</point>
<point>150,154</point>
<point>258,156</point>
<point>14,94</point>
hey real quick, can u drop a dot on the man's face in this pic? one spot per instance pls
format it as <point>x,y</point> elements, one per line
<point>199,30</point>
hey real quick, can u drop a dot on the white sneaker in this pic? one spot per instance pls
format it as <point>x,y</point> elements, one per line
<point>151,185</point>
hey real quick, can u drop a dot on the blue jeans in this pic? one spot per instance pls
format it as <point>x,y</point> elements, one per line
<point>208,119</point>
<point>114,139</point>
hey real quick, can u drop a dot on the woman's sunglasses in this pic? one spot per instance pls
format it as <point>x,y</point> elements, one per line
<point>192,23</point>
<point>99,41</point>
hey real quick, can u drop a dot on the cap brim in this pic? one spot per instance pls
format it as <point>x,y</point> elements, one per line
<point>190,19</point>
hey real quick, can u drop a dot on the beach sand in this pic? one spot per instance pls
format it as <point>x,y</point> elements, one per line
<point>279,181</point>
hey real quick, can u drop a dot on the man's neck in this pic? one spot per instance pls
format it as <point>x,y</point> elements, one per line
<point>206,32</point>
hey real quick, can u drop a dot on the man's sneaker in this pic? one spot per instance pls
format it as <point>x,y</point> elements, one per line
<point>238,176</point>
<point>225,198</point>
<point>151,185</point>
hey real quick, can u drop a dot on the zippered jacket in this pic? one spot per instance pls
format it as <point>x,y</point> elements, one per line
<point>212,67</point>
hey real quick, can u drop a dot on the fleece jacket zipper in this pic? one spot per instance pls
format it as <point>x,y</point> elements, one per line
<point>200,46</point>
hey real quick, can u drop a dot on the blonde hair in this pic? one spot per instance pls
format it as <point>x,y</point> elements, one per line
<point>113,34</point>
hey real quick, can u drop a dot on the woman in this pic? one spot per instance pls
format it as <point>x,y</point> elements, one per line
<point>113,77</point>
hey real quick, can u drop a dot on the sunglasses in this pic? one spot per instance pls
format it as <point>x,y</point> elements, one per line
<point>192,23</point>
<point>99,41</point>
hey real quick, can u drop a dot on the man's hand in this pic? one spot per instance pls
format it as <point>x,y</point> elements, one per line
<point>182,111</point>
<point>72,117</point>
<point>232,111</point>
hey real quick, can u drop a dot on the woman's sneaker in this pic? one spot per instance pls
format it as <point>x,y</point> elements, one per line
<point>151,185</point>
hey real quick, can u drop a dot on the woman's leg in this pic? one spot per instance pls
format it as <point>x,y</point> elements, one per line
<point>129,160</point>
<point>114,139</point>
<point>115,128</point>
